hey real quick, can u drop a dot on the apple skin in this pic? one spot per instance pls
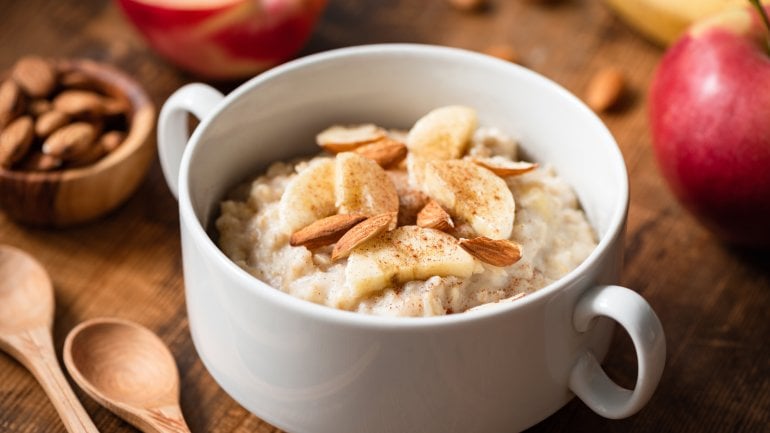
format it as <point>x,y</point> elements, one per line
<point>709,110</point>
<point>225,39</point>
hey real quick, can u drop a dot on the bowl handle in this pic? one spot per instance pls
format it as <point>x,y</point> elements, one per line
<point>196,99</point>
<point>587,378</point>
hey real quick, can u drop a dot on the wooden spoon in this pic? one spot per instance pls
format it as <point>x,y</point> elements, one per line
<point>26,319</point>
<point>127,369</point>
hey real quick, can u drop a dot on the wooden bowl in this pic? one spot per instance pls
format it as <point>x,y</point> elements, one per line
<point>75,195</point>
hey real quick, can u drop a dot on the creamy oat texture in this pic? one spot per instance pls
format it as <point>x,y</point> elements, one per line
<point>549,225</point>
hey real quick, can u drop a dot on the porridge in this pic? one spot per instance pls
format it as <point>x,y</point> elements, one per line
<point>442,219</point>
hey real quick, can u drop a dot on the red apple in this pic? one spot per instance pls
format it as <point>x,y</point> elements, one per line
<point>709,111</point>
<point>223,39</point>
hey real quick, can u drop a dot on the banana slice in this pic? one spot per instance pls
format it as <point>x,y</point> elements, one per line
<point>472,193</point>
<point>405,254</point>
<point>361,186</point>
<point>444,133</point>
<point>309,196</point>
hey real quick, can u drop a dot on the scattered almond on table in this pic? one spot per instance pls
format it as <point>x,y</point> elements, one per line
<point>54,118</point>
<point>468,5</point>
<point>505,52</point>
<point>605,89</point>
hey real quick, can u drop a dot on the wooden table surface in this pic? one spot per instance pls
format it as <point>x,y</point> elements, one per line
<point>713,300</point>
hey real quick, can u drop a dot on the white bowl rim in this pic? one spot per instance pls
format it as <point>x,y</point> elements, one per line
<point>325,313</point>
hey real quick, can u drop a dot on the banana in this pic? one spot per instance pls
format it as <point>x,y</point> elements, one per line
<point>444,133</point>
<point>663,21</point>
<point>361,186</point>
<point>309,196</point>
<point>405,254</point>
<point>472,193</point>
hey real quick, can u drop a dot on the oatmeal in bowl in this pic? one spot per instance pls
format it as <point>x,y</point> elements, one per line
<point>442,219</point>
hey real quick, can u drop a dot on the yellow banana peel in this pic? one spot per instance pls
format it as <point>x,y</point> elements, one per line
<point>662,21</point>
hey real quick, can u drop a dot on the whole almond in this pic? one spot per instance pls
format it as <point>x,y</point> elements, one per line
<point>325,231</point>
<point>468,5</point>
<point>49,122</point>
<point>115,106</point>
<point>79,102</point>
<point>35,76</point>
<point>78,80</point>
<point>111,140</point>
<point>38,107</point>
<point>503,51</point>
<point>9,100</point>
<point>385,152</point>
<point>433,216</point>
<point>15,140</point>
<point>39,161</point>
<point>87,156</point>
<point>361,233</point>
<point>497,252</point>
<point>605,89</point>
<point>70,140</point>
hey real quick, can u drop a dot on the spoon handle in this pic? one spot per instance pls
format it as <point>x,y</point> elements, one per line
<point>34,349</point>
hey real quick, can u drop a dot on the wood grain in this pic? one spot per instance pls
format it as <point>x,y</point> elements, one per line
<point>713,300</point>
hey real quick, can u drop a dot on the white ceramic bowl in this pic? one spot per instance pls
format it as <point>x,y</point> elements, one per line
<point>309,368</point>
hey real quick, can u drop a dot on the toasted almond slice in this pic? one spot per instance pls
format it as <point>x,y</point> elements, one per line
<point>325,231</point>
<point>385,152</point>
<point>433,216</point>
<point>361,233</point>
<point>497,252</point>
<point>338,139</point>
<point>503,167</point>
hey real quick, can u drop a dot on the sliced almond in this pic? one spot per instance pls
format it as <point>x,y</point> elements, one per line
<point>385,152</point>
<point>35,76</point>
<point>15,140</point>
<point>361,233</point>
<point>433,216</point>
<point>504,167</point>
<point>9,100</point>
<point>111,140</point>
<point>49,122</point>
<point>605,89</point>
<point>497,252</point>
<point>79,102</point>
<point>325,231</point>
<point>70,141</point>
<point>338,139</point>
<point>39,161</point>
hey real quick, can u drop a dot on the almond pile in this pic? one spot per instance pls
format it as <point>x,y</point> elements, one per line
<point>52,117</point>
<point>350,201</point>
